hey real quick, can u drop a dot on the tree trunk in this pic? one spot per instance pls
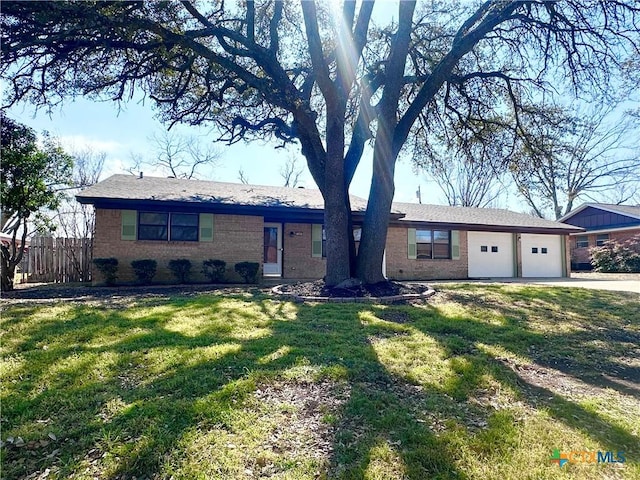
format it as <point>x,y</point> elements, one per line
<point>376,222</point>
<point>8,271</point>
<point>336,223</point>
<point>336,201</point>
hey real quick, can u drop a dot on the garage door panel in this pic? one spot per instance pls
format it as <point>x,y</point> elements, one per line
<point>490,254</point>
<point>541,255</point>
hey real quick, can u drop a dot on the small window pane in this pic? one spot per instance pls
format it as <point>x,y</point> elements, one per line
<point>534,250</point>
<point>184,234</point>
<point>184,219</point>
<point>441,244</point>
<point>440,236</point>
<point>582,241</point>
<point>151,232</point>
<point>424,250</point>
<point>270,245</point>
<point>484,248</point>
<point>601,239</point>
<point>424,247</point>
<point>324,242</point>
<point>423,236</point>
<point>543,249</point>
<point>494,249</point>
<point>149,218</point>
<point>440,250</point>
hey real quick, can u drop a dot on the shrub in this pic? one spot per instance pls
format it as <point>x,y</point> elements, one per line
<point>144,270</point>
<point>214,270</point>
<point>181,269</point>
<point>107,268</point>
<point>248,271</point>
<point>614,256</point>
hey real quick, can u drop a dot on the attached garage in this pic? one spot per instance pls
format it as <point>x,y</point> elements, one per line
<point>491,254</point>
<point>541,255</point>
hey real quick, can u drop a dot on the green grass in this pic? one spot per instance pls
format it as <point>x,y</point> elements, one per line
<point>483,382</point>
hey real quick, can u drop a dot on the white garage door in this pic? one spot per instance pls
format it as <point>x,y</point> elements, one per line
<point>541,255</point>
<point>490,254</point>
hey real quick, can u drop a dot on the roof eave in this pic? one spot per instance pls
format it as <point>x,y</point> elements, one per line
<point>488,228</point>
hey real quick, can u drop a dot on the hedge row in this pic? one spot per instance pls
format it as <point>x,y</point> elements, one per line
<point>214,270</point>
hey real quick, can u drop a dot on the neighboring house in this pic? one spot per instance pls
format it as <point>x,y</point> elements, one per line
<point>602,222</point>
<point>281,228</point>
<point>7,240</point>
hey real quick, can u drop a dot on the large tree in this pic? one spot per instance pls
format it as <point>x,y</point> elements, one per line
<point>33,179</point>
<point>566,156</point>
<point>330,77</point>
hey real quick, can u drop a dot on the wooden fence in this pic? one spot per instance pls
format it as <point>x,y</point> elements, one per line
<point>59,260</point>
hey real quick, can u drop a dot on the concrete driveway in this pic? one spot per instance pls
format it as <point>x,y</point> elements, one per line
<point>621,282</point>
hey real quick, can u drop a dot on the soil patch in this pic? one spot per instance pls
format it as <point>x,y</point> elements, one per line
<point>306,416</point>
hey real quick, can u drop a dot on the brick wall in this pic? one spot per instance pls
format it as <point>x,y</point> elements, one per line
<point>298,262</point>
<point>582,255</point>
<point>399,267</point>
<point>236,238</point>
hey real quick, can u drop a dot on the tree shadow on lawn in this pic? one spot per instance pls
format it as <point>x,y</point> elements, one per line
<point>124,390</point>
<point>585,335</point>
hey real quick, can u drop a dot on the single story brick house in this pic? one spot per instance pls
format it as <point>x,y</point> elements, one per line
<point>601,222</point>
<point>281,229</point>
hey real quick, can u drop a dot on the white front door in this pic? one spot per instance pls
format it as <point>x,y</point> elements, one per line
<point>272,261</point>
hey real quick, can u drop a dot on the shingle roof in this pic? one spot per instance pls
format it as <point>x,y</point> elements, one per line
<point>131,187</point>
<point>442,214</point>
<point>630,210</point>
<point>157,189</point>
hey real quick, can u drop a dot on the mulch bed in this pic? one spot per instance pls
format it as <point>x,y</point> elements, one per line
<point>376,290</point>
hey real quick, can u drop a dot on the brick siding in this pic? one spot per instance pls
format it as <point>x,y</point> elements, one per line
<point>400,267</point>
<point>236,238</point>
<point>298,263</point>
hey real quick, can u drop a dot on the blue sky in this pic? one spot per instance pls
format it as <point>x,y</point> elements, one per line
<point>125,130</point>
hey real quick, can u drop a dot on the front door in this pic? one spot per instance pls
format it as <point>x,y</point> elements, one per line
<point>272,261</point>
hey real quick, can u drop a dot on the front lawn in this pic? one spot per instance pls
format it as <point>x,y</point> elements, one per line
<point>482,382</point>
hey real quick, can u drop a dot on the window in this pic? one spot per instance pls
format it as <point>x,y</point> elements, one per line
<point>534,250</point>
<point>433,244</point>
<point>357,233</point>
<point>582,241</point>
<point>324,242</point>
<point>424,243</point>
<point>601,239</point>
<point>494,249</point>
<point>184,227</point>
<point>484,248</point>
<point>441,243</point>
<point>543,249</point>
<point>177,227</point>
<point>153,226</point>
